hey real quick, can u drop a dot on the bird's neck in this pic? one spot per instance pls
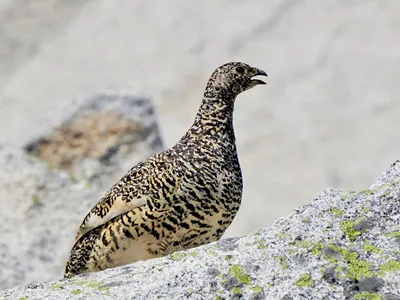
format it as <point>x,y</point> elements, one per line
<point>214,120</point>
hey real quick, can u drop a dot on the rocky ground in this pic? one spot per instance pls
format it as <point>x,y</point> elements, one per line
<point>342,245</point>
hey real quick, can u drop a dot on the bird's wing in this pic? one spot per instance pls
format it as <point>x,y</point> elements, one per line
<point>135,189</point>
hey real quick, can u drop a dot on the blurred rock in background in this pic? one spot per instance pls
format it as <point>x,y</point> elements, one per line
<point>327,118</point>
<point>42,207</point>
<point>102,139</point>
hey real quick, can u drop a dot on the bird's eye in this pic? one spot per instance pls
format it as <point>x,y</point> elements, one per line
<point>240,70</point>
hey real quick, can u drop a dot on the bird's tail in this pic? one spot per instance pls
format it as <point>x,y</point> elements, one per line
<point>81,252</point>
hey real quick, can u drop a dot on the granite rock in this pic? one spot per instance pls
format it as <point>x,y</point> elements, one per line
<point>342,245</point>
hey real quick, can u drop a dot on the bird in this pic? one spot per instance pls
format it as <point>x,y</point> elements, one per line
<point>181,198</point>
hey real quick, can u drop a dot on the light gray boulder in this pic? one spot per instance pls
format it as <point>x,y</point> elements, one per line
<point>342,245</point>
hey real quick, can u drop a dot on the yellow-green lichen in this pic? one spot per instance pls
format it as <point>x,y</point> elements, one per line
<point>393,234</point>
<point>285,235</point>
<point>306,220</point>
<point>366,192</point>
<point>390,266</point>
<point>349,230</point>
<point>160,263</point>
<point>257,289</point>
<point>219,298</point>
<point>370,248</point>
<point>91,284</point>
<point>83,282</point>
<point>283,261</point>
<point>258,232</point>
<point>367,296</point>
<point>317,249</point>
<point>177,256</point>
<point>237,290</point>
<point>247,244</point>
<point>228,257</point>
<point>212,252</point>
<point>336,212</point>
<point>304,244</point>
<point>57,286</point>
<point>395,183</point>
<point>304,281</point>
<point>355,268</point>
<point>108,293</point>
<point>347,195</point>
<point>261,244</point>
<point>95,284</point>
<point>35,199</point>
<point>366,209</point>
<point>240,275</point>
<point>76,292</point>
<point>24,298</point>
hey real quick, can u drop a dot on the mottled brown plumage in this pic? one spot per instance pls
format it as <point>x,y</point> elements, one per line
<point>181,198</point>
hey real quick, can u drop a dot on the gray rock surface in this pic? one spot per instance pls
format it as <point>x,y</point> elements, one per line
<point>333,86</point>
<point>41,211</point>
<point>342,245</point>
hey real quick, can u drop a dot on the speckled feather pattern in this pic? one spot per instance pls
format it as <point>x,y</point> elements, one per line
<point>181,198</point>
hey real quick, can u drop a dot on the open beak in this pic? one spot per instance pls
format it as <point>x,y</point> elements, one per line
<point>258,73</point>
<point>256,81</point>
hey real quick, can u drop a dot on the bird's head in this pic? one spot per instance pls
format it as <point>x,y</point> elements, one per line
<point>232,78</point>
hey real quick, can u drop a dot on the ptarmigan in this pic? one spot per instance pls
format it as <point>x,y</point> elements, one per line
<point>181,198</point>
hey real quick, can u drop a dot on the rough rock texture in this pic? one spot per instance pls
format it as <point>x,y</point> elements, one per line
<point>343,245</point>
<point>102,139</point>
<point>42,207</point>
<point>333,84</point>
<point>41,211</point>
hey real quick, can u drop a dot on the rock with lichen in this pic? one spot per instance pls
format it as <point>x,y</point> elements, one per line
<point>342,245</point>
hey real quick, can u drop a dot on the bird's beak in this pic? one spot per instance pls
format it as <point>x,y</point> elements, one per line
<point>258,72</point>
<point>256,81</point>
